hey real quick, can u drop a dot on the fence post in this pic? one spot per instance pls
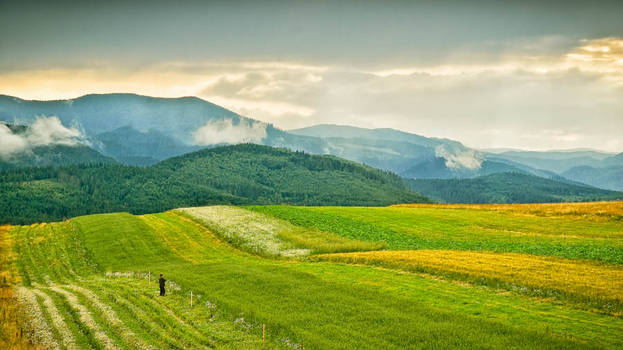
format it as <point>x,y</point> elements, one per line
<point>149,277</point>
<point>191,298</point>
<point>263,333</point>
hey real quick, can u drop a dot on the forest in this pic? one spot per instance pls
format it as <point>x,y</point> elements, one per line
<point>241,174</point>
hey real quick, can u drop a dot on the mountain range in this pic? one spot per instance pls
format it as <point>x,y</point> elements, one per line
<point>142,130</point>
<point>508,188</point>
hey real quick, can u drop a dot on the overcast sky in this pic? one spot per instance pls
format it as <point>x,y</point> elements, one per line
<point>531,75</point>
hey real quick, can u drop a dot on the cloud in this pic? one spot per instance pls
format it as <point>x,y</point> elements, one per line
<point>10,143</point>
<point>457,158</point>
<point>536,84</point>
<point>45,131</point>
<point>225,131</point>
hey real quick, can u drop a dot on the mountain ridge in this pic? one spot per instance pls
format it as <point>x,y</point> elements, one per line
<point>239,174</point>
<point>508,188</point>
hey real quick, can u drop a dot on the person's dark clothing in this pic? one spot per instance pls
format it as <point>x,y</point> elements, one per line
<point>162,280</point>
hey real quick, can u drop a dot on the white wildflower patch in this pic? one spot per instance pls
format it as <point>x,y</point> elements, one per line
<point>40,330</point>
<point>58,322</point>
<point>249,230</point>
<point>242,323</point>
<point>86,318</point>
<point>285,341</point>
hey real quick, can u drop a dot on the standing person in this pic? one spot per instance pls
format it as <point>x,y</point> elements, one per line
<point>161,281</point>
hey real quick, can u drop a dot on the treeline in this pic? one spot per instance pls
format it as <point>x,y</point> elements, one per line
<point>508,188</point>
<point>242,174</point>
<point>54,155</point>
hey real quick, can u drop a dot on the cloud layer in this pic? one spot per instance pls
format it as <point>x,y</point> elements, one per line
<point>225,131</point>
<point>45,131</point>
<point>534,93</point>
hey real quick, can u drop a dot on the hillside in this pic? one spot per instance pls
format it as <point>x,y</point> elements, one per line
<point>282,277</point>
<point>56,155</point>
<point>241,174</point>
<point>142,130</point>
<point>556,161</point>
<point>508,188</point>
<point>388,149</point>
<point>608,177</point>
<point>41,146</point>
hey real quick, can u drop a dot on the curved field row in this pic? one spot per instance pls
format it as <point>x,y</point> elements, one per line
<point>108,313</point>
<point>108,317</point>
<point>36,322</point>
<point>64,336</point>
<point>598,284</point>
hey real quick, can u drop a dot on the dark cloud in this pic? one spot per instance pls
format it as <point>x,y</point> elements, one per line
<point>132,33</point>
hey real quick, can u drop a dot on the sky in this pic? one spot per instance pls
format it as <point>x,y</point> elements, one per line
<point>532,75</point>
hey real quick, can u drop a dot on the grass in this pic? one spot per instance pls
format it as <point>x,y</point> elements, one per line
<point>462,227</point>
<point>318,304</point>
<point>591,284</point>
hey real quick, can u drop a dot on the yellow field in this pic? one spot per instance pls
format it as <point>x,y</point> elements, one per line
<point>584,209</point>
<point>574,277</point>
<point>12,334</point>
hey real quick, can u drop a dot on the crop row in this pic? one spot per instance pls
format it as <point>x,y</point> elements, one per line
<point>595,285</point>
<point>122,313</point>
<point>596,211</point>
<point>403,228</point>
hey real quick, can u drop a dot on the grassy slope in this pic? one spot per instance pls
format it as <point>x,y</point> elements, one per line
<point>321,304</point>
<point>595,237</point>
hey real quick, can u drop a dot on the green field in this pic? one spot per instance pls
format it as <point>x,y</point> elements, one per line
<point>89,282</point>
<point>587,236</point>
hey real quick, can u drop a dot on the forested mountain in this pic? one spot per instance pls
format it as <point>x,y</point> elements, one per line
<point>555,161</point>
<point>143,130</point>
<point>242,174</point>
<point>21,146</point>
<point>599,169</point>
<point>508,188</point>
<point>388,149</point>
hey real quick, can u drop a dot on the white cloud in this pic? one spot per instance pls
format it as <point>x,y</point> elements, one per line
<point>458,158</point>
<point>45,131</point>
<point>10,143</point>
<point>225,131</point>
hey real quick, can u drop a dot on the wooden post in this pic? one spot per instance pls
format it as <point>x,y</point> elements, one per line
<point>264,333</point>
<point>191,298</point>
<point>149,276</point>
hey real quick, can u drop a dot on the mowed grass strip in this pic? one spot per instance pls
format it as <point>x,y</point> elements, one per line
<point>598,284</point>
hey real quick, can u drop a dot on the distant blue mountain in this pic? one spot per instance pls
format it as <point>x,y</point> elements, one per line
<point>142,130</point>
